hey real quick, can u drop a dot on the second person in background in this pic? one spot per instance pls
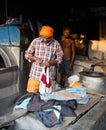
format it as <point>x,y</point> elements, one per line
<point>68,46</point>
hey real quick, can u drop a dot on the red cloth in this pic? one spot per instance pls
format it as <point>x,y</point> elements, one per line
<point>45,83</point>
<point>45,79</point>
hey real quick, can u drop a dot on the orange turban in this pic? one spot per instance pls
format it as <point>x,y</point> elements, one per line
<point>46,31</point>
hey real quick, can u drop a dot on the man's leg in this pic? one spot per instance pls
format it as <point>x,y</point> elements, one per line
<point>62,80</point>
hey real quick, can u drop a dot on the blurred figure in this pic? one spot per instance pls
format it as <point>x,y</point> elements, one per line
<point>66,33</point>
<point>43,51</point>
<point>68,47</point>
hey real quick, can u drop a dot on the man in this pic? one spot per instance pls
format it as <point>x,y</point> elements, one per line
<point>68,46</point>
<point>43,51</point>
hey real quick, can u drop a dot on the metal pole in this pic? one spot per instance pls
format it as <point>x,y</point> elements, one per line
<point>6,9</point>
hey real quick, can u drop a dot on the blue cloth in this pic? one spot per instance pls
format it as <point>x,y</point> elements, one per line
<point>81,91</point>
<point>64,67</point>
<point>23,104</point>
<point>49,118</point>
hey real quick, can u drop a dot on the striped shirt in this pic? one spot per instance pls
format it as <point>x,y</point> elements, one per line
<point>46,52</point>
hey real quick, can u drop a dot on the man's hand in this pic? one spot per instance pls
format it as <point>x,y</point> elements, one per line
<point>47,64</point>
<point>38,60</point>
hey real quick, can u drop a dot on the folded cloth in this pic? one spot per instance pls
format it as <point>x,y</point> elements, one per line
<point>76,83</point>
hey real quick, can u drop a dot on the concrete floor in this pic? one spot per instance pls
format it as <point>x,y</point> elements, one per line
<point>94,119</point>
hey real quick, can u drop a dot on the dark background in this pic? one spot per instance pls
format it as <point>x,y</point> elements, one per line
<point>57,14</point>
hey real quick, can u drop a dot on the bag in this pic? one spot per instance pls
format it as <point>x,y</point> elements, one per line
<point>45,84</point>
<point>50,117</point>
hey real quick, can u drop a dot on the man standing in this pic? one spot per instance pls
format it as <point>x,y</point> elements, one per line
<point>68,46</point>
<point>43,51</point>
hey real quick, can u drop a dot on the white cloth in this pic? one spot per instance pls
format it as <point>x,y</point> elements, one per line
<point>45,84</point>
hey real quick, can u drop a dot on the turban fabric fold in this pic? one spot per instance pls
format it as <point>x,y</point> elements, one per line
<point>47,31</point>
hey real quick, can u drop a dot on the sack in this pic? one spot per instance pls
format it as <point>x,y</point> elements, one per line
<point>45,83</point>
<point>49,117</point>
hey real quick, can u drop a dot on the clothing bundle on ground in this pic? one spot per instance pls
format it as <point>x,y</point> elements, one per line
<point>56,109</point>
<point>49,112</point>
<point>50,117</point>
<point>51,107</point>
